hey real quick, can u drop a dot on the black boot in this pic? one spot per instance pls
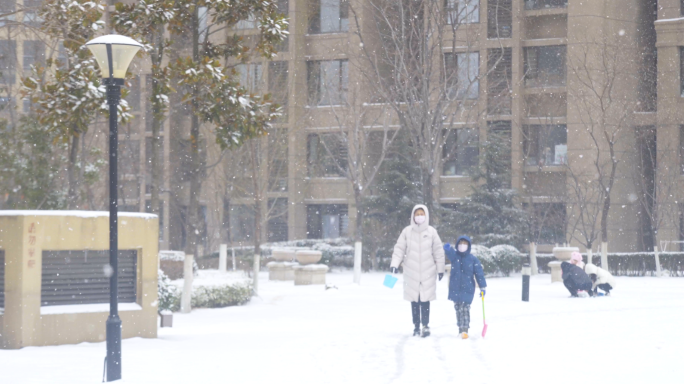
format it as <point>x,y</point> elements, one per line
<point>426,331</point>
<point>416,330</point>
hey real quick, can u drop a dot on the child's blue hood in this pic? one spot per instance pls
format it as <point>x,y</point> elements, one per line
<point>466,238</point>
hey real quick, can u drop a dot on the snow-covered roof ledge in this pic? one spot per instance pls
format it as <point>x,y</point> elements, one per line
<point>669,20</point>
<point>83,214</point>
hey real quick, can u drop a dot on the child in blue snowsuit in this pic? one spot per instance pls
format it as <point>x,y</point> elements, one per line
<point>465,269</point>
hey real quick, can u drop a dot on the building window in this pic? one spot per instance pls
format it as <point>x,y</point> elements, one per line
<point>327,221</point>
<point>460,152</point>
<point>134,94</point>
<point>278,86</point>
<point>31,17</point>
<point>8,61</point>
<point>542,4</point>
<point>499,19</point>
<point>34,54</point>
<point>545,144</point>
<point>462,71</point>
<point>545,66</point>
<point>7,7</point>
<point>284,8</point>
<point>129,157</point>
<point>248,23</point>
<point>499,79</point>
<point>277,160</point>
<point>277,219</point>
<point>327,155</point>
<point>75,277</point>
<point>327,82</point>
<point>328,16</point>
<point>241,223</point>
<point>500,137</point>
<point>462,11</point>
<point>548,222</point>
<point>148,161</point>
<point>250,76</point>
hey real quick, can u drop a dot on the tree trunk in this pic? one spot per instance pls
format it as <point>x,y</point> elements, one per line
<point>192,227</point>
<point>71,172</point>
<point>257,216</point>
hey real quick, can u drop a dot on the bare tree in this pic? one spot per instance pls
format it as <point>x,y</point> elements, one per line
<point>600,71</point>
<point>419,57</point>
<point>253,172</point>
<point>358,142</point>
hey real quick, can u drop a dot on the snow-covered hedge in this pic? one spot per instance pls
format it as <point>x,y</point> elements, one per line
<point>506,258</point>
<point>169,296</point>
<point>221,296</point>
<point>499,259</point>
<point>486,258</point>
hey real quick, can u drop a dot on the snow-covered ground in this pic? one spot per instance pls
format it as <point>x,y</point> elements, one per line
<point>360,334</point>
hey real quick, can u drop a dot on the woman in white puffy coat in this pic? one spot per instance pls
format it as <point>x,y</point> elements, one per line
<point>600,278</point>
<point>420,249</point>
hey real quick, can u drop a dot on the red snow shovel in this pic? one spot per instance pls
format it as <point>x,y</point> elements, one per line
<point>484,329</point>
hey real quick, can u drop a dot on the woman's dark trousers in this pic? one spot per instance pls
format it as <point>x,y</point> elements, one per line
<point>421,312</point>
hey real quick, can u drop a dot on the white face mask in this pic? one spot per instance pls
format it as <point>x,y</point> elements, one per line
<point>420,219</point>
<point>462,248</point>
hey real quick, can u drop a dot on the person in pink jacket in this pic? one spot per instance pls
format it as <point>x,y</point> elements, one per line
<point>576,259</point>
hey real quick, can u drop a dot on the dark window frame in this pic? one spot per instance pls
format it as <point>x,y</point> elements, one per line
<point>314,219</point>
<point>539,69</point>
<point>320,161</point>
<point>319,94</point>
<point>454,149</point>
<point>537,142</point>
<point>315,22</point>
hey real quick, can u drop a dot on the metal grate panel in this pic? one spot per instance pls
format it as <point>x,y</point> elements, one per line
<point>77,277</point>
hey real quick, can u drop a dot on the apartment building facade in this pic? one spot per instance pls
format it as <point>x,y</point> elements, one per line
<point>522,62</point>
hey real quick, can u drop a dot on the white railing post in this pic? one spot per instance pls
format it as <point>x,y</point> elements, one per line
<point>223,253</point>
<point>657,262</point>
<point>186,299</point>
<point>357,262</point>
<point>233,251</point>
<point>533,258</point>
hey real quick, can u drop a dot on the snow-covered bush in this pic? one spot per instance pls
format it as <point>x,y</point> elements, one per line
<point>506,258</point>
<point>221,296</point>
<point>168,295</point>
<point>486,258</point>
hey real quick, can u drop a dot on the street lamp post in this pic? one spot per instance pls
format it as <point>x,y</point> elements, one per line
<point>114,54</point>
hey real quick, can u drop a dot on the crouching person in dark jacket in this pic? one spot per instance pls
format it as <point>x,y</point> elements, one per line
<point>575,279</point>
<point>465,269</point>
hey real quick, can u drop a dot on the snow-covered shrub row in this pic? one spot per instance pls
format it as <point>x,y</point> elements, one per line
<point>506,258</point>
<point>221,296</point>
<point>499,259</point>
<point>169,296</point>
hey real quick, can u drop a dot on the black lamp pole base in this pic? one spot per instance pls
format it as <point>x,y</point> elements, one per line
<point>113,348</point>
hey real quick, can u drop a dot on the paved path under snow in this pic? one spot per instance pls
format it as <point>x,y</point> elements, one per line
<point>360,334</point>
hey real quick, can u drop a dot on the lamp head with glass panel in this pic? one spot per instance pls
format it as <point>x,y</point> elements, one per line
<point>113,54</point>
